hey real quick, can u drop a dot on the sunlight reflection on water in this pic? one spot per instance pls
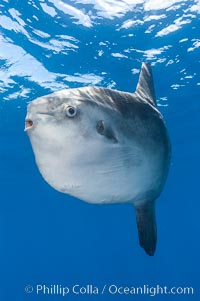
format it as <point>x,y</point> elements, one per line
<point>57,44</point>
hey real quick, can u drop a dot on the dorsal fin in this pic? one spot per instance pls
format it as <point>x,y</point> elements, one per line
<point>145,86</point>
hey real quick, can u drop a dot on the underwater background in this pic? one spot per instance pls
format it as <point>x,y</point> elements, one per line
<point>48,238</point>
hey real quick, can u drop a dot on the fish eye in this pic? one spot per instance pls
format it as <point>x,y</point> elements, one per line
<point>71,111</point>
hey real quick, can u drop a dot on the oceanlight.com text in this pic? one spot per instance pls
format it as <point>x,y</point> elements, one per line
<point>111,289</point>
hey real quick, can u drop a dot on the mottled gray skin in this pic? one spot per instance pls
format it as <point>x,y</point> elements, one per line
<point>130,156</point>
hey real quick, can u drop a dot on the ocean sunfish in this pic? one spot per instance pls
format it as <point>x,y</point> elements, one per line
<point>104,146</point>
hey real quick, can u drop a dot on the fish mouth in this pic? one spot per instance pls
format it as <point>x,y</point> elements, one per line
<point>28,124</point>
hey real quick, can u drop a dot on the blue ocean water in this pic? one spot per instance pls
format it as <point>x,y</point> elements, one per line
<point>48,238</point>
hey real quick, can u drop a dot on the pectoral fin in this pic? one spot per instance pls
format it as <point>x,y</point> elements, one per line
<point>107,132</point>
<point>146,224</point>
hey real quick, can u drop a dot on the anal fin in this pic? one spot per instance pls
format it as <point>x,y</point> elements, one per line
<point>146,224</point>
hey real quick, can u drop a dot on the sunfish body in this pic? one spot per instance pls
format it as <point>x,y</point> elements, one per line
<point>104,146</point>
